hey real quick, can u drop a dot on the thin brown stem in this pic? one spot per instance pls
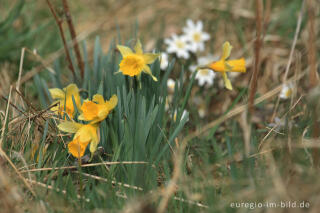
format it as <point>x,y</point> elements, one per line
<point>257,48</point>
<point>59,23</point>
<point>313,76</point>
<point>312,52</point>
<point>73,36</point>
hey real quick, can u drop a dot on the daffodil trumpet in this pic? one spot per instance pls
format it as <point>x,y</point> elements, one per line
<point>98,109</point>
<point>223,65</point>
<point>135,62</point>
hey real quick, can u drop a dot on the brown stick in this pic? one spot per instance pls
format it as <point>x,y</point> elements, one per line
<point>73,36</point>
<point>313,77</point>
<point>312,52</point>
<point>59,23</point>
<point>258,44</point>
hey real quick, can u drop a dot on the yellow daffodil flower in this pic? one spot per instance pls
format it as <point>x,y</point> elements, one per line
<point>133,63</point>
<point>84,134</point>
<point>97,109</point>
<point>64,99</point>
<point>224,66</point>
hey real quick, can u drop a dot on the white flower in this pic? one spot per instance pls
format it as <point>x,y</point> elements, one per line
<point>204,75</point>
<point>164,62</point>
<point>171,84</point>
<point>286,91</point>
<point>178,45</point>
<point>195,35</point>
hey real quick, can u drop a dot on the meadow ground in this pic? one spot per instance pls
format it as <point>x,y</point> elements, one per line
<point>159,106</point>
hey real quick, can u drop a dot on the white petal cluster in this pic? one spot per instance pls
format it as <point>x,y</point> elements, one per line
<point>195,35</point>
<point>178,45</point>
<point>204,76</point>
<point>164,61</point>
<point>286,91</point>
<point>191,41</point>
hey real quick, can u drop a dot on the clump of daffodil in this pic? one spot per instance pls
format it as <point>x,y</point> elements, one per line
<point>135,62</point>
<point>223,65</point>
<point>64,100</point>
<point>94,112</point>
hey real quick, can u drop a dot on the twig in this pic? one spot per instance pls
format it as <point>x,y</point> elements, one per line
<point>59,23</point>
<point>73,36</point>
<point>313,76</point>
<point>312,48</point>
<point>141,189</point>
<point>85,165</point>
<point>257,47</point>
<point>284,81</point>
<point>113,182</point>
<point>14,106</point>
<point>275,126</point>
<point>4,155</point>
<point>53,188</point>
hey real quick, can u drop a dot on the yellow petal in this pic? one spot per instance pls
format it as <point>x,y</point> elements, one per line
<point>228,67</point>
<point>69,126</point>
<point>95,141</point>
<point>124,50</point>
<point>149,58</point>
<point>227,82</point>
<point>57,93</point>
<point>112,103</point>
<point>77,148</point>
<point>238,65</point>
<point>81,117</point>
<point>86,132</point>
<point>72,91</point>
<point>218,66</point>
<point>90,110</point>
<point>226,50</point>
<point>98,99</point>
<point>138,47</point>
<point>147,70</point>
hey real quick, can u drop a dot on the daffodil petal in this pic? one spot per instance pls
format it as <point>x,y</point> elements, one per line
<point>228,67</point>
<point>238,65</point>
<point>124,50</point>
<point>89,110</point>
<point>69,126</point>
<point>149,58</point>
<point>71,89</point>
<point>227,82</point>
<point>95,140</point>
<point>57,93</point>
<point>147,70</point>
<point>138,47</point>
<point>112,103</point>
<point>77,148</point>
<point>81,117</point>
<point>226,50</point>
<point>86,132</point>
<point>98,99</point>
